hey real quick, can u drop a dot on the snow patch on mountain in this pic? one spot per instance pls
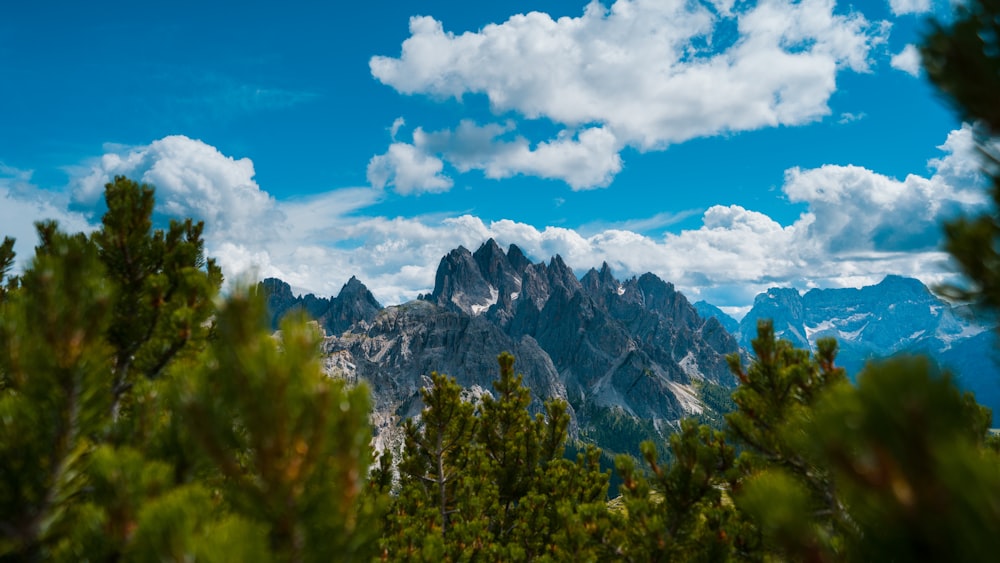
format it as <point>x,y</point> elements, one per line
<point>819,329</point>
<point>480,308</point>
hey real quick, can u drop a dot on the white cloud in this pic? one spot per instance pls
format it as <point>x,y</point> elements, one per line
<point>903,7</point>
<point>192,179</point>
<point>583,160</point>
<point>643,73</point>
<point>848,117</point>
<point>408,169</point>
<point>397,124</point>
<point>857,226</point>
<point>907,60</point>
<point>654,223</point>
<point>22,204</point>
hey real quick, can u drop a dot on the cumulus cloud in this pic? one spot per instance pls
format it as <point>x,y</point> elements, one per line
<point>907,60</point>
<point>857,225</point>
<point>22,204</point>
<point>408,169</point>
<point>903,7</point>
<point>192,179</point>
<point>584,160</point>
<point>642,73</point>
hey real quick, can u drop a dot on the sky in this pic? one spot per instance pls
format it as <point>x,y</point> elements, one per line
<point>726,146</point>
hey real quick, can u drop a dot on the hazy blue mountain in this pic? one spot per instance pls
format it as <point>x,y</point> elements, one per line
<point>707,311</point>
<point>898,315</point>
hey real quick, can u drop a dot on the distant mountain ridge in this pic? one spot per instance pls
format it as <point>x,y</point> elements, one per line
<point>897,315</point>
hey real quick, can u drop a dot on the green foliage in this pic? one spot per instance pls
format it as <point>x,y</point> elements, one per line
<point>290,444</point>
<point>906,450</point>
<point>681,512</point>
<point>7,256</point>
<point>620,432</point>
<point>775,400</point>
<point>165,286</point>
<point>489,481</point>
<point>895,468</point>
<point>962,59</point>
<point>55,390</point>
<point>127,433</point>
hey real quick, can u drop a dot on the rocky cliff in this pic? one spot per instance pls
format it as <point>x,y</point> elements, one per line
<point>631,351</point>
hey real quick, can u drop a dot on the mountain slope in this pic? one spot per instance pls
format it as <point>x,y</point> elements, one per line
<point>632,351</point>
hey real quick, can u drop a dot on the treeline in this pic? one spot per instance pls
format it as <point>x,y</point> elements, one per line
<point>145,417</point>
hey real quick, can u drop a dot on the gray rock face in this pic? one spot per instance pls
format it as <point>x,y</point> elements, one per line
<point>709,311</point>
<point>355,304</point>
<point>635,347</point>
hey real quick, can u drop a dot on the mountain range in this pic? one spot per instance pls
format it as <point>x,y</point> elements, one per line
<point>631,357</point>
<point>897,315</point>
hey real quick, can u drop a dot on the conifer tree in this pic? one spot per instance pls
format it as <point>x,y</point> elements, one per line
<point>146,443</point>
<point>288,443</point>
<point>962,58</point>
<point>775,397</point>
<point>540,495</point>
<point>55,362</point>
<point>682,511</point>
<point>496,478</point>
<point>438,450</point>
<point>6,264</point>
<point>165,285</point>
<point>907,453</point>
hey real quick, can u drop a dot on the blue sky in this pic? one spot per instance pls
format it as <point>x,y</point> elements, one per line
<point>726,146</point>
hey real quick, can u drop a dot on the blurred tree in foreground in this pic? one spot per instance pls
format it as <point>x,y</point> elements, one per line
<point>140,420</point>
<point>963,60</point>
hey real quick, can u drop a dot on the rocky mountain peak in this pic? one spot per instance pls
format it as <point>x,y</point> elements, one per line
<point>497,269</point>
<point>277,289</point>
<point>894,282</point>
<point>490,257</point>
<point>610,349</point>
<point>708,311</point>
<point>562,276</point>
<point>601,285</point>
<point>517,259</point>
<point>355,304</point>
<point>459,283</point>
<point>784,306</point>
<point>355,290</point>
<point>897,315</point>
